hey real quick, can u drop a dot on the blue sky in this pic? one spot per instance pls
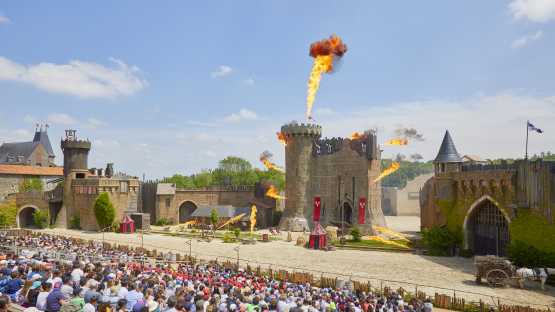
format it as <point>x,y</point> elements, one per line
<point>174,87</point>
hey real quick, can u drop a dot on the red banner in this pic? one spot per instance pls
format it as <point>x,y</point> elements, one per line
<point>316,212</point>
<point>361,210</point>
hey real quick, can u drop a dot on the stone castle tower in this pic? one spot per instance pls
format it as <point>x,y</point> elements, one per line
<point>336,173</point>
<point>76,155</point>
<point>298,156</point>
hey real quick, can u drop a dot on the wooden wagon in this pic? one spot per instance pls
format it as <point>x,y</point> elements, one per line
<point>497,271</point>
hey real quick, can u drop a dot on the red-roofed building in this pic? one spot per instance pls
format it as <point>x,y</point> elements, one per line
<point>11,176</point>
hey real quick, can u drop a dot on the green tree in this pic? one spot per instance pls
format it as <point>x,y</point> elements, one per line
<point>104,211</point>
<point>214,220</point>
<point>273,177</point>
<point>180,181</point>
<point>8,212</point>
<point>31,184</point>
<point>407,171</point>
<point>234,171</point>
<point>40,218</point>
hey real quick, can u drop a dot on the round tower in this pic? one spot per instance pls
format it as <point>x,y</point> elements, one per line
<point>298,154</point>
<point>76,153</point>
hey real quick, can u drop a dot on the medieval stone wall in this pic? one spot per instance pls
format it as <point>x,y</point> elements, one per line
<point>332,180</point>
<point>206,197</point>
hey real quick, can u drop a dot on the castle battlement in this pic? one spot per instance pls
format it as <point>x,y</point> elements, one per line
<point>302,129</point>
<point>77,144</point>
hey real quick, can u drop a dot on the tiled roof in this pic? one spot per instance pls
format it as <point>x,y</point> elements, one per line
<point>448,152</point>
<point>31,170</point>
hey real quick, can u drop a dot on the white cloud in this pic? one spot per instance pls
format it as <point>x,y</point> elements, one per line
<point>77,78</point>
<point>95,123</point>
<point>533,10</point>
<point>61,119</point>
<point>249,81</point>
<point>201,123</point>
<point>243,114</point>
<point>4,20</point>
<point>324,111</point>
<point>490,126</point>
<point>222,71</point>
<point>29,119</point>
<point>524,40</point>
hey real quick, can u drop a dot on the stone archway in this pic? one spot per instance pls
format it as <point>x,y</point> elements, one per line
<point>185,210</point>
<point>25,218</point>
<point>486,228</point>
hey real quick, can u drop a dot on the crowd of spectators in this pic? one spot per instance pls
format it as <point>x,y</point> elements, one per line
<point>91,278</point>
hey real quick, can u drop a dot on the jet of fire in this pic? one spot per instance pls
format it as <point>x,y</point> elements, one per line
<point>282,138</point>
<point>253,217</point>
<point>356,136</point>
<point>232,220</point>
<point>265,159</point>
<point>272,192</point>
<point>397,141</point>
<point>392,168</point>
<point>324,52</point>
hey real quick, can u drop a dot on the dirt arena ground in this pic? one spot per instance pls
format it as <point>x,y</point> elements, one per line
<point>432,274</point>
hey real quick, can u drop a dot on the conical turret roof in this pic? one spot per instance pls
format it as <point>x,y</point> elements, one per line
<point>41,136</point>
<point>447,152</point>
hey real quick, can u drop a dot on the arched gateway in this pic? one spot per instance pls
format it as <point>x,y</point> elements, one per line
<point>486,228</point>
<point>25,217</point>
<point>185,210</point>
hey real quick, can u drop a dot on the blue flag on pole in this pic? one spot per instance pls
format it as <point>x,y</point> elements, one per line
<point>531,127</point>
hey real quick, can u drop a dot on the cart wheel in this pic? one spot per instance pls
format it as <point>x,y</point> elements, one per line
<point>497,277</point>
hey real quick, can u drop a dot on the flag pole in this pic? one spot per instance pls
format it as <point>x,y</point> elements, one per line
<point>527,131</point>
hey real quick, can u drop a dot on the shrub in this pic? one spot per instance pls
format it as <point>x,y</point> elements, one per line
<point>355,233</point>
<point>40,218</point>
<point>229,237</point>
<point>32,184</point>
<point>162,222</point>
<point>440,241</point>
<point>8,213</point>
<point>237,232</point>
<point>75,223</point>
<point>525,255</point>
<point>104,211</point>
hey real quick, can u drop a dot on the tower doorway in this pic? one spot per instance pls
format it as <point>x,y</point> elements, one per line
<point>347,213</point>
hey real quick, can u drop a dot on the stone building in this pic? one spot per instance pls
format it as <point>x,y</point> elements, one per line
<point>404,201</point>
<point>75,196</point>
<point>177,205</point>
<point>12,176</point>
<point>332,178</point>
<point>37,152</point>
<point>481,200</point>
<point>25,160</point>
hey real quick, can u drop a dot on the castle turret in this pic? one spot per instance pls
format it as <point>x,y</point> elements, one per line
<point>447,159</point>
<point>298,153</point>
<point>76,153</point>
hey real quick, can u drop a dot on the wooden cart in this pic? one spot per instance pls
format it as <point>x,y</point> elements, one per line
<point>497,271</point>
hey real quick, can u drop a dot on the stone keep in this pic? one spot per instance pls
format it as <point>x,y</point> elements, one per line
<point>339,172</point>
<point>76,155</point>
<point>298,154</point>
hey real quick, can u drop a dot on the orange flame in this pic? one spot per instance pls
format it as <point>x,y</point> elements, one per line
<point>397,141</point>
<point>356,136</point>
<point>324,52</point>
<point>232,220</point>
<point>282,138</point>
<point>272,192</point>
<point>253,217</point>
<point>265,159</point>
<point>392,168</point>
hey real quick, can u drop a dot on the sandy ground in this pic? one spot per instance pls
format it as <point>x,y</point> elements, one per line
<point>432,274</point>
